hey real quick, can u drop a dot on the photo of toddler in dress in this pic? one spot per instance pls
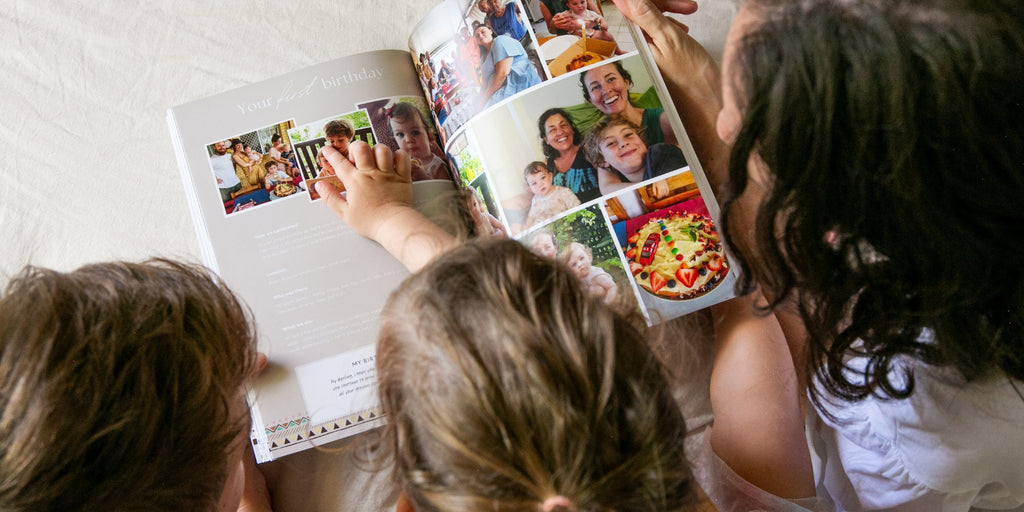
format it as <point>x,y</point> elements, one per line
<point>409,126</point>
<point>549,200</point>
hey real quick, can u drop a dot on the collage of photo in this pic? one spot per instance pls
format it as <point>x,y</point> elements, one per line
<point>589,168</point>
<point>293,160</point>
<point>549,120</point>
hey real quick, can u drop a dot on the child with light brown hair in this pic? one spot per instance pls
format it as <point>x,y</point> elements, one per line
<point>618,148</point>
<point>122,388</point>
<point>339,134</point>
<point>510,388</point>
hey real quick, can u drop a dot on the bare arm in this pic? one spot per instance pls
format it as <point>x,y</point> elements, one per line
<point>754,389</point>
<point>606,286</point>
<point>548,18</point>
<point>501,70</point>
<point>379,205</point>
<point>609,182</point>
<point>667,131</point>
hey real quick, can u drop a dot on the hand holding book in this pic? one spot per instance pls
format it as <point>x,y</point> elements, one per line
<point>378,203</point>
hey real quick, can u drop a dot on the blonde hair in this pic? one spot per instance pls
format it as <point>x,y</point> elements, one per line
<point>506,385</point>
<point>120,387</point>
<point>576,246</point>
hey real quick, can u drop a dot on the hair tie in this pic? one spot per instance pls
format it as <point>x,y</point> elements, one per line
<point>555,502</point>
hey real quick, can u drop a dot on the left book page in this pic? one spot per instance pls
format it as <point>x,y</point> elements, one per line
<point>248,160</point>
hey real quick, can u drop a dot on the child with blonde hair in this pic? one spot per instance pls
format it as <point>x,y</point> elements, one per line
<point>542,243</point>
<point>595,280</point>
<point>587,21</point>
<point>618,148</point>
<point>511,388</point>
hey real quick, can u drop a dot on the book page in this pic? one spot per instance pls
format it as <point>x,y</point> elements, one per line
<point>559,126</point>
<point>249,158</point>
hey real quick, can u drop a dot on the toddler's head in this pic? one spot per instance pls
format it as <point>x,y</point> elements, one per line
<point>410,129</point>
<point>272,167</point>
<point>539,178</point>
<point>339,133</point>
<point>616,142</point>
<point>578,258</point>
<point>543,244</point>
<point>577,7</point>
<point>121,388</point>
<point>505,385</point>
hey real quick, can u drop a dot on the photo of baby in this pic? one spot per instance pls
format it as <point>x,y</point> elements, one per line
<point>549,200</point>
<point>582,242</point>
<point>598,283</point>
<point>249,170</point>
<point>403,123</point>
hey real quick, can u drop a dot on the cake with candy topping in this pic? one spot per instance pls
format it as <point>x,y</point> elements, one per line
<point>679,257</point>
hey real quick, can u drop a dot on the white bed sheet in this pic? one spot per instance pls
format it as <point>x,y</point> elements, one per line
<point>88,173</point>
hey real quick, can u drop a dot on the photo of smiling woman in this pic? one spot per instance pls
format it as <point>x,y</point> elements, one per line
<point>607,88</point>
<point>560,141</point>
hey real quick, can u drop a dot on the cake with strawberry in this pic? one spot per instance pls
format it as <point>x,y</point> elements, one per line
<point>678,257</point>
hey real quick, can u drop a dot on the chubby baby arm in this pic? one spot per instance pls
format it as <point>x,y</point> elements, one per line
<point>378,203</point>
<point>603,286</point>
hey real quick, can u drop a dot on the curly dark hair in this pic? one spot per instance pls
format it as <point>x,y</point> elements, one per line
<point>550,152</point>
<point>618,67</point>
<point>899,126</point>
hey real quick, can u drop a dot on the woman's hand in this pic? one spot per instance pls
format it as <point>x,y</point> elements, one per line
<point>691,75</point>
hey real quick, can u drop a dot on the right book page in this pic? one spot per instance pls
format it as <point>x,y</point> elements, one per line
<point>559,128</point>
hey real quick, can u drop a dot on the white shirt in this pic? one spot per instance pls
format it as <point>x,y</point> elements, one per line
<point>950,446</point>
<point>224,170</point>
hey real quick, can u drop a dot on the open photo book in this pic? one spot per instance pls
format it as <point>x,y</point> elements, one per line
<point>563,139</point>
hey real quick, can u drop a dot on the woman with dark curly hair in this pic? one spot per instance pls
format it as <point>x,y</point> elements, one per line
<point>872,187</point>
<point>561,143</point>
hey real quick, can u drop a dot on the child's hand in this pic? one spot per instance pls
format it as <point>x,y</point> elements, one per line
<point>379,203</point>
<point>378,186</point>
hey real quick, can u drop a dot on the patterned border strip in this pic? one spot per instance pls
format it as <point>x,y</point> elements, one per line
<point>284,434</point>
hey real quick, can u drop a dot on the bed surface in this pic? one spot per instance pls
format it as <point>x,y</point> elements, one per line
<point>89,173</point>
